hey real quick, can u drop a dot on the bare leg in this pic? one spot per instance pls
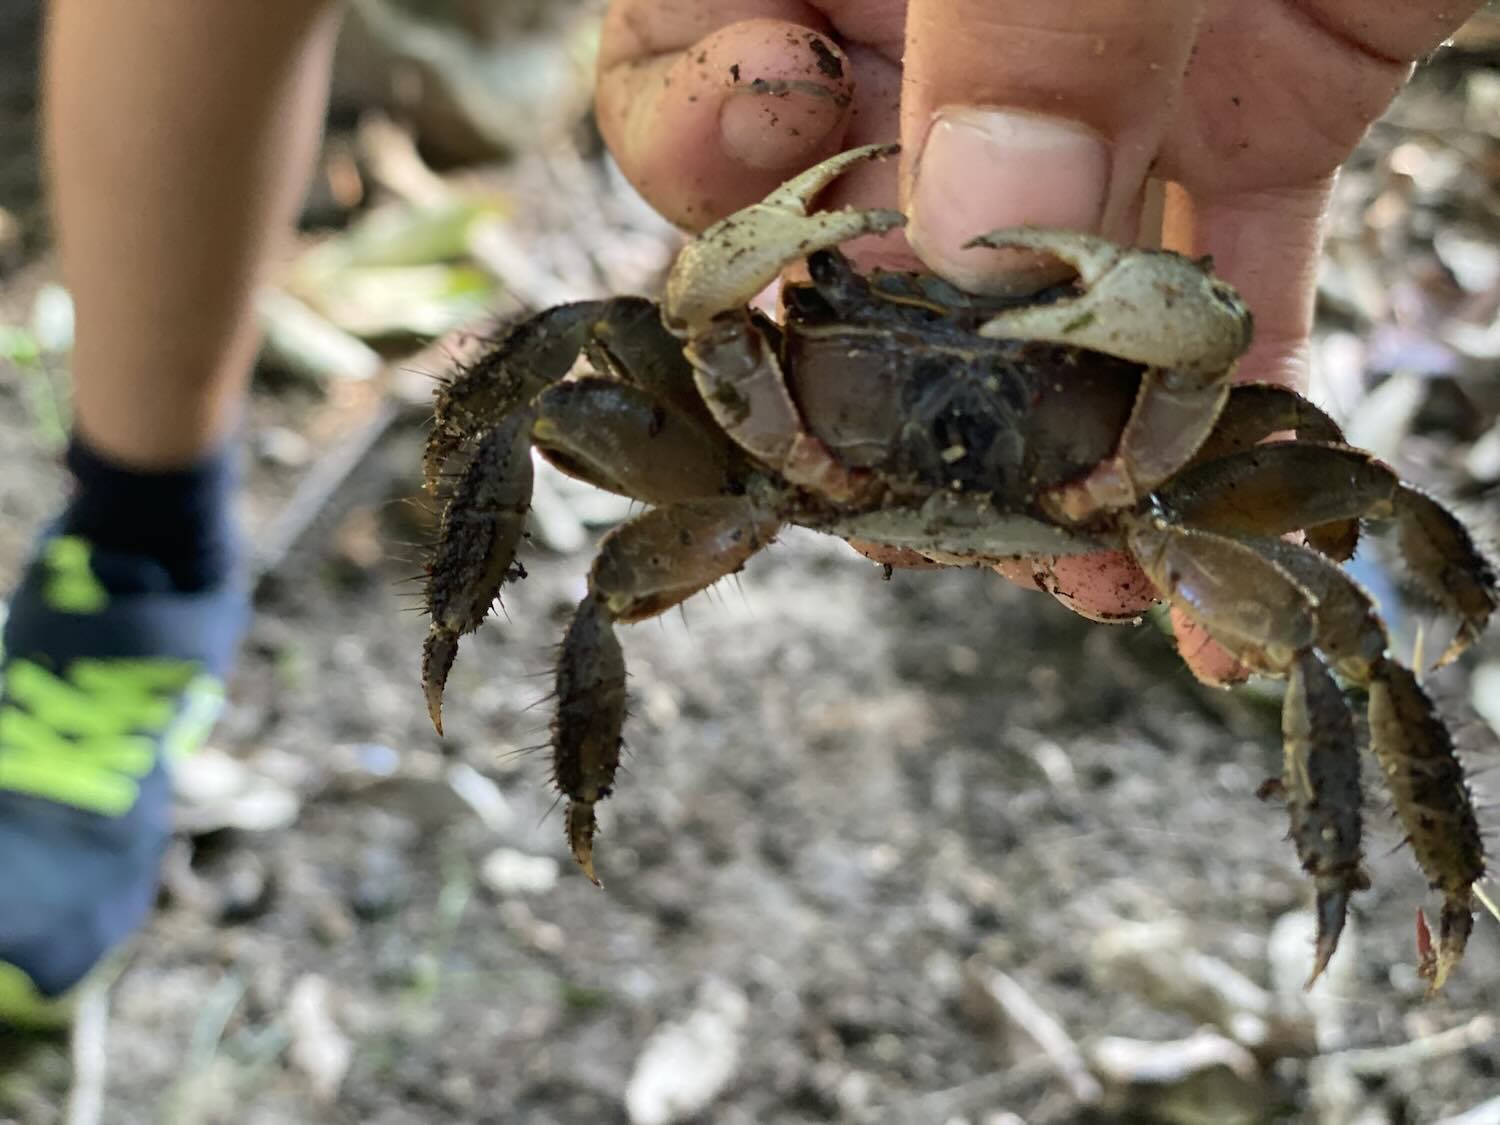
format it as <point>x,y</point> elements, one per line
<point>178,137</point>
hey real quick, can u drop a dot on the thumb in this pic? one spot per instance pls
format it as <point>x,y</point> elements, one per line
<point>1016,113</point>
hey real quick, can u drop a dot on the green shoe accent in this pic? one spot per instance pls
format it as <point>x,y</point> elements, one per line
<point>88,738</point>
<point>24,1008</point>
<point>71,584</point>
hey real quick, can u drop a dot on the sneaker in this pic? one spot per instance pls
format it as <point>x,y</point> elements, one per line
<point>99,692</point>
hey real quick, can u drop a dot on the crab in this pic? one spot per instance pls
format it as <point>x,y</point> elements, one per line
<point>893,408</point>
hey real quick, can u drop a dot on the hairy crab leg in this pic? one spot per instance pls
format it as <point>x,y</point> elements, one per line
<point>1125,299</point>
<point>644,567</point>
<point>1265,617</point>
<point>626,439</point>
<point>623,336</point>
<point>1257,411</point>
<point>1433,803</point>
<point>1411,743</point>
<point>476,547</point>
<point>1320,779</point>
<point>734,357</point>
<point>1278,487</point>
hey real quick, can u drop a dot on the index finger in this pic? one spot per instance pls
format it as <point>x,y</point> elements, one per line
<point>709,106</point>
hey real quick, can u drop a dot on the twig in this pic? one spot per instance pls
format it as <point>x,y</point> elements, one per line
<point>977,1093</point>
<point>1025,1014</point>
<point>90,1058</point>
<point>317,489</point>
<point>1372,1062</point>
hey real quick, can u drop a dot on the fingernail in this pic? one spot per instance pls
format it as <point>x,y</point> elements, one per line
<point>771,124</point>
<point>982,169</point>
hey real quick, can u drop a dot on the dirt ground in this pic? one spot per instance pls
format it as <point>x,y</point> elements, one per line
<point>848,799</point>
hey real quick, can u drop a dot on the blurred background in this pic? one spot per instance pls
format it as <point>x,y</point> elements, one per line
<point>925,850</point>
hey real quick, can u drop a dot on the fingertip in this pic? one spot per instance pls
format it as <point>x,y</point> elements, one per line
<point>1034,170</point>
<point>704,131</point>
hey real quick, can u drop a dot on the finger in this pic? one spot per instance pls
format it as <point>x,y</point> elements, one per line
<point>874,118</point>
<point>1276,97</point>
<point>1019,113</point>
<point>1267,244</point>
<point>707,107</point>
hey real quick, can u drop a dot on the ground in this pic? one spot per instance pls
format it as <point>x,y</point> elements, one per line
<point>846,797</point>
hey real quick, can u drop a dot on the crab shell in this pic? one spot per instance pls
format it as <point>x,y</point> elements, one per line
<point>897,409</point>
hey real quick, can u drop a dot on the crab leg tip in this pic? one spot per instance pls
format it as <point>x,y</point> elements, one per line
<point>438,654</point>
<point>1454,925</point>
<point>1332,909</point>
<point>581,825</point>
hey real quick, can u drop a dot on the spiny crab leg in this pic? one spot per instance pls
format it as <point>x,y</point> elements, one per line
<point>1257,610</point>
<point>1257,412</point>
<point>1160,310</point>
<point>1410,741</point>
<point>1320,780</point>
<point>643,431</point>
<point>623,332</point>
<point>476,547</point>
<point>1415,751</point>
<point>1279,487</point>
<point>1432,801</point>
<point>644,567</point>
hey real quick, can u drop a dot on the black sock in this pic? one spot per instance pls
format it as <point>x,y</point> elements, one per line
<point>181,519</point>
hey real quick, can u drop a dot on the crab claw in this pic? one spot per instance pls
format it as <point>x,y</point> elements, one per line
<point>737,257</point>
<point>1127,296</point>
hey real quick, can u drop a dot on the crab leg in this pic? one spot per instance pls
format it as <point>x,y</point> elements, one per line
<point>1251,606</point>
<point>1221,583</point>
<point>1416,755</point>
<point>1320,779</point>
<point>1279,487</point>
<point>627,440</point>
<point>623,336</point>
<point>1125,298</point>
<point>1257,411</point>
<point>476,547</point>
<point>1432,801</point>
<point>1412,744</point>
<point>644,567</point>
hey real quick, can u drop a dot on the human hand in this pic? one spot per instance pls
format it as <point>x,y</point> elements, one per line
<point>1012,113</point>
